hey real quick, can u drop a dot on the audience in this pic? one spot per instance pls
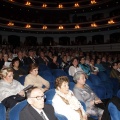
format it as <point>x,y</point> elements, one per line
<point>65,103</point>
<point>34,79</point>
<point>85,94</point>
<point>36,109</point>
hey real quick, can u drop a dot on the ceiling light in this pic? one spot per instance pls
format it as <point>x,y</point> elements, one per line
<point>10,24</point>
<point>111,21</point>
<point>28,3</point>
<point>77,26</point>
<point>44,27</point>
<point>44,5</point>
<point>93,2</point>
<point>76,5</point>
<point>61,27</point>
<point>60,6</point>
<point>93,25</point>
<point>28,26</point>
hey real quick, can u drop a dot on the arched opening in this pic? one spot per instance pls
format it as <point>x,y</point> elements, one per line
<point>31,41</point>
<point>14,40</point>
<point>81,40</point>
<point>98,39</point>
<point>115,37</point>
<point>64,41</point>
<point>48,41</point>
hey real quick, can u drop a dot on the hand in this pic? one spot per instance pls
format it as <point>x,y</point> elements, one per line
<point>84,117</point>
<point>22,93</point>
<point>97,100</point>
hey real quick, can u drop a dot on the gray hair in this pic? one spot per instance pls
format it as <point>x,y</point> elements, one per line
<point>77,76</point>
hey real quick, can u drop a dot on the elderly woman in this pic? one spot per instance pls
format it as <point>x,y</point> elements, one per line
<point>34,79</point>
<point>65,103</point>
<point>84,93</point>
<point>10,87</point>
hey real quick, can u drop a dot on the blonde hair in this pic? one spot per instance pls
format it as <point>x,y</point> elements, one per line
<point>4,72</point>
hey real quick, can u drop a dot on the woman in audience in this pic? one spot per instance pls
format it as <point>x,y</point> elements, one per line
<point>114,72</point>
<point>99,65</point>
<point>18,72</point>
<point>65,103</point>
<point>34,79</point>
<point>85,67</point>
<point>10,87</point>
<point>74,67</point>
<point>84,93</point>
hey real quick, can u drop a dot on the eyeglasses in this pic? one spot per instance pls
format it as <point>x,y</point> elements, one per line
<point>39,97</point>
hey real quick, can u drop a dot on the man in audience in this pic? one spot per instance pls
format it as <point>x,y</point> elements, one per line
<point>36,109</point>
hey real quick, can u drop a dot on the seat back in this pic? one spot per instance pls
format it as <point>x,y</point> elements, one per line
<point>118,93</point>
<point>114,112</point>
<point>2,112</point>
<point>14,112</point>
<point>22,79</point>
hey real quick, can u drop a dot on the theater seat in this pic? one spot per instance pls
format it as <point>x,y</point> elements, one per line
<point>2,112</point>
<point>15,111</point>
<point>114,112</point>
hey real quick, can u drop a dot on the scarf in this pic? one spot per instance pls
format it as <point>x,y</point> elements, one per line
<point>70,99</point>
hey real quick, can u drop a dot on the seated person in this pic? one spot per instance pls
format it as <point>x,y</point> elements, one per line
<point>65,63</point>
<point>18,72</point>
<point>10,87</point>
<point>34,79</point>
<point>74,67</point>
<point>54,64</point>
<point>118,66</point>
<point>65,103</point>
<point>36,109</point>
<point>84,93</point>
<point>114,72</point>
<point>99,65</point>
<point>85,67</point>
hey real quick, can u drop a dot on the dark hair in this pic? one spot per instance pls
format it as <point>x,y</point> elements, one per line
<point>60,80</point>
<point>32,66</point>
<point>28,93</point>
<point>113,64</point>
<point>14,60</point>
<point>73,60</point>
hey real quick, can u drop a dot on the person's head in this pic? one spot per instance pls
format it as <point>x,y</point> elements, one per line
<point>92,62</point>
<point>64,58</point>
<point>74,62</point>
<point>61,84</point>
<point>33,69</point>
<point>54,58</point>
<point>7,74</point>
<point>35,98</point>
<point>103,59</point>
<point>20,54</point>
<point>79,78</point>
<point>98,61</point>
<point>31,53</point>
<point>82,60</point>
<point>118,64</point>
<point>15,62</point>
<point>115,65</point>
<point>42,55</point>
<point>5,57</point>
